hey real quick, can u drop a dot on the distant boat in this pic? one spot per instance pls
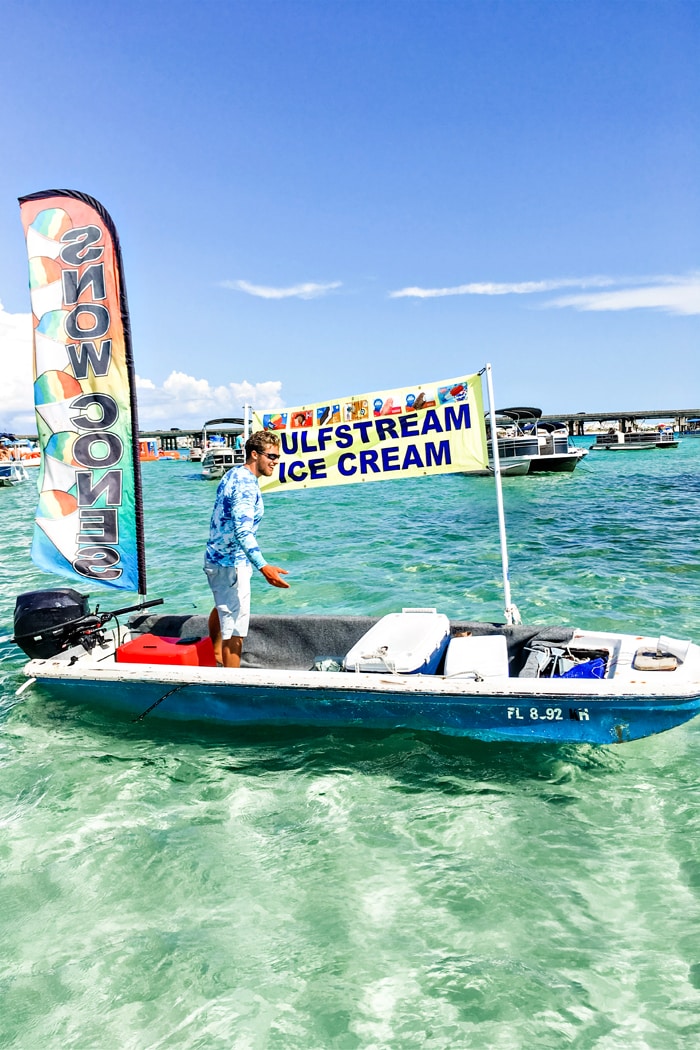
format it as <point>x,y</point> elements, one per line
<point>526,445</point>
<point>22,450</point>
<point>218,461</point>
<point>667,438</point>
<point>634,440</point>
<point>12,473</point>
<point>216,466</point>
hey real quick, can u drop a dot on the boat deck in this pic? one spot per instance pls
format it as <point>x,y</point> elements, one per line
<point>294,651</point>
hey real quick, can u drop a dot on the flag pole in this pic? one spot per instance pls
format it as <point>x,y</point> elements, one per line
<point>511,610</point>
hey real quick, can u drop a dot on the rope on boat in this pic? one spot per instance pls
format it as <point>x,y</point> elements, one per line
<point>379,654</point>
<point>165,696</point>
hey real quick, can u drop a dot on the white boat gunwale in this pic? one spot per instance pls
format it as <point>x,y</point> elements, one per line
<point>624,685</point>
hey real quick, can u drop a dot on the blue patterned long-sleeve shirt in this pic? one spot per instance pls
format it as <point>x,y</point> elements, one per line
<point>238,510</point>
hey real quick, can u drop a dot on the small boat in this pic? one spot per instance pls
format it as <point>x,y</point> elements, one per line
<point>666,438</point>
<point>412,669</point>
<point>217,461</point>
<point>527,445</point>
<point>12,472</point>
<point>215,456</point>
<point>22,450</point>
<point>633,440</point>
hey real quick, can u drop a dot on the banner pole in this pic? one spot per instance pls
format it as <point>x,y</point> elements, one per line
<point>511,610</point>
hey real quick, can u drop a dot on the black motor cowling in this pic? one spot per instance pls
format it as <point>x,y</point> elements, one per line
<point>45,621</point>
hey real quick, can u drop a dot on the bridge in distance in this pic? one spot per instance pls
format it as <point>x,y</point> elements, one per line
<point>625,419</point>
<point>575,421</point>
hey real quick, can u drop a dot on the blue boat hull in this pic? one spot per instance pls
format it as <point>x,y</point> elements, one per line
<point>576,720</point>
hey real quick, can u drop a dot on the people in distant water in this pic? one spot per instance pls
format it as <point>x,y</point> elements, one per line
<point>233,552</point>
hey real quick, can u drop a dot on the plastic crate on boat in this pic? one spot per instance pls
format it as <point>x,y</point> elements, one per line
<point>152,649</point>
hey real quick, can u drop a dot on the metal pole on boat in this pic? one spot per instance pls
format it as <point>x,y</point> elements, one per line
<point>247,422</point>
<point>511,610</point>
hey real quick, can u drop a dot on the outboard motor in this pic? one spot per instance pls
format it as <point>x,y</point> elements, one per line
<point>46,621</point>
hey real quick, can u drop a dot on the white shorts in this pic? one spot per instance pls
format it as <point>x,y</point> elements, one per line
<point>230,585</point>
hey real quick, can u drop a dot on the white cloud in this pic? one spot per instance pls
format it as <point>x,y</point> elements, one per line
<point>673,295</point>
<point>495,288</point>
<point>17,391</point>
<point>185,401</point>
<point>297,291</point>
<point>181,401</point>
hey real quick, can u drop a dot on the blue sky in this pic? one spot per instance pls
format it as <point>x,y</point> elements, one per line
<point>323,198</point>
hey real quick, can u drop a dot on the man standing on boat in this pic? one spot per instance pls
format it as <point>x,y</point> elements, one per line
<point>233,552</point>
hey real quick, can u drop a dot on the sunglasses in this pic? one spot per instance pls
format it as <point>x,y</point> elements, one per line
<point>272,456</point>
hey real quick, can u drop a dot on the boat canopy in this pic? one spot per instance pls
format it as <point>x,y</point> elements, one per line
<point>237,422</point>
<point>519,413</point>
<point>551,427</point>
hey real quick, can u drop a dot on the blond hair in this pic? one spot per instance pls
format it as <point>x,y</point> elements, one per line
<point>261,440</point>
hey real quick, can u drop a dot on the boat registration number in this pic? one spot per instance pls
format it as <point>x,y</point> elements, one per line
<point>546,714</point>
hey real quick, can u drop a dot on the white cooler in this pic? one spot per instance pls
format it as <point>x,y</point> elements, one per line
<point>409,642</point>
<point>483,655</point>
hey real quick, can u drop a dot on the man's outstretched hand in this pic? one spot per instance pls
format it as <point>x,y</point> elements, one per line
<point>273,574</point>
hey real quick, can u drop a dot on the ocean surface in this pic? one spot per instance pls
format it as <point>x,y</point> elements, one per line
<point>300,890</point>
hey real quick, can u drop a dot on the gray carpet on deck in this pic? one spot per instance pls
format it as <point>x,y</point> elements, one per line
<point>296,642</point>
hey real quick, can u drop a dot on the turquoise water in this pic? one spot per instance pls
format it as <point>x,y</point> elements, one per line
<point>296,889</point>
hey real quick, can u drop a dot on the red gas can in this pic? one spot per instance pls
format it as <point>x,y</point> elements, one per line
<point>152,649</point>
